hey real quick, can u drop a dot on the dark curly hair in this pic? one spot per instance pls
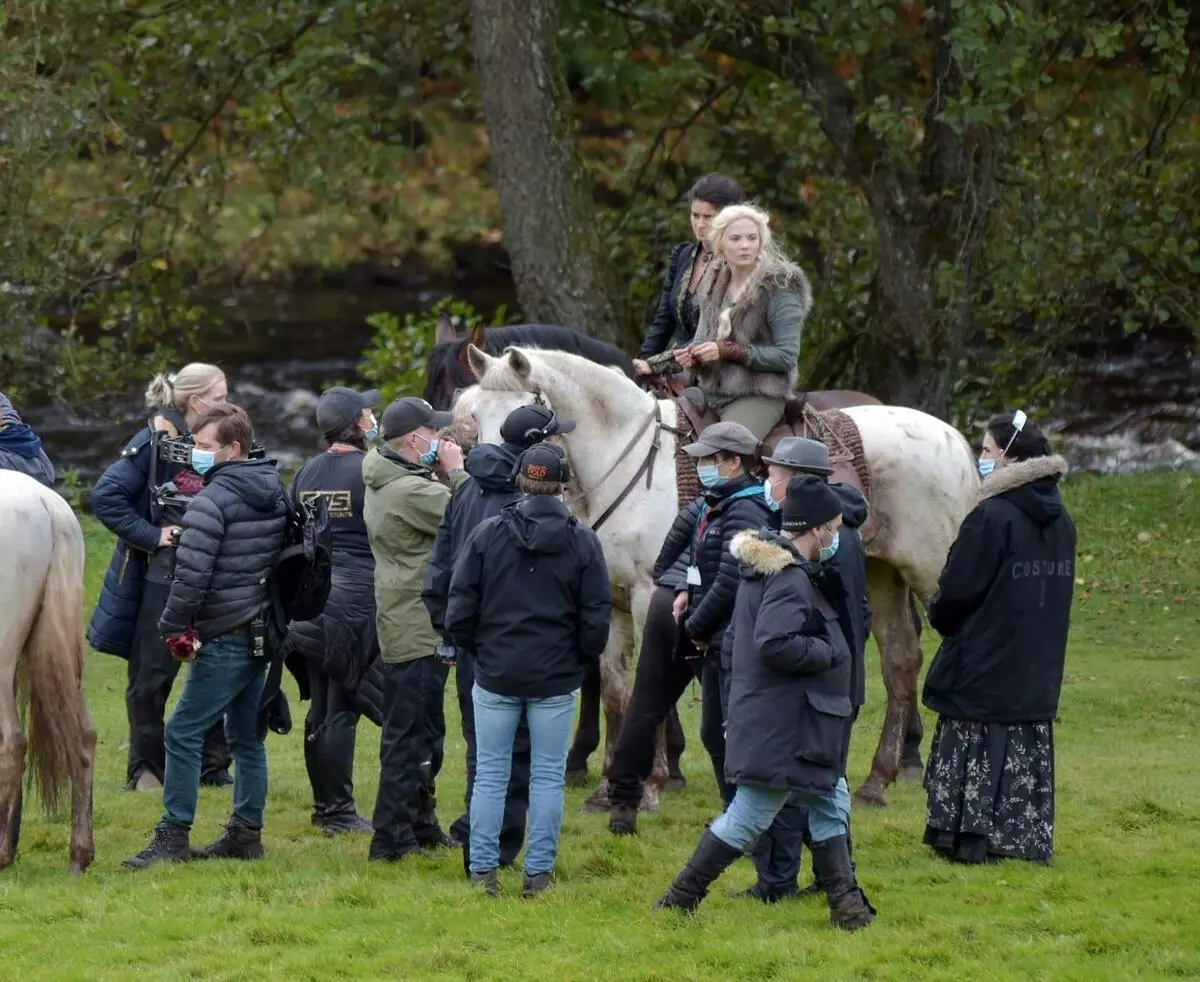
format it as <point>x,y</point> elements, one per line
<point>717,190</point>
<point>1029,443</point>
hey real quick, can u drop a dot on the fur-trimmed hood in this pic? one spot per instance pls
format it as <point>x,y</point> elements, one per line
<point>1031,485</point>
<point>762,552</point>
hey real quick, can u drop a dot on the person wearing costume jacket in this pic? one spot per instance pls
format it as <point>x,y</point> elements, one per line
<point>404,505</point>
<point>530,597</point>
<point>789,706</point>
<point>233,532</point>
<point>125,620</point>
<point>20,448</point>
<point>489,489</point>
<point>1003,608</point>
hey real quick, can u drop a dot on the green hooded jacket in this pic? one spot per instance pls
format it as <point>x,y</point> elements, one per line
<point>402,508</point>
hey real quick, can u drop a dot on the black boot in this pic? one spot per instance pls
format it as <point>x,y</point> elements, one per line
<point>848,905</point>
<point>771,886</point>
<point>711,858</point>
<point>169,845</point>
<point>816,888</point>
<point>486,882</point>
<point>239,842</point>
<point>622,820</point>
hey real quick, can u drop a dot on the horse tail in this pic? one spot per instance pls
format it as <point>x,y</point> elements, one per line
<point>54,662</point>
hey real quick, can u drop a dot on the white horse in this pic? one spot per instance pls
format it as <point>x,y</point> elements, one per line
<point>923,477</point>
<point>41,634</point>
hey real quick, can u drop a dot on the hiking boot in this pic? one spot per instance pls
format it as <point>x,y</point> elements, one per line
<point>622,820</point>
<point>764,894</point>
<point>711,858</point>
<point>849,908</point>
<point>535,885</point>
<point>342,824</point>
<point>487,882</point>
<point>169,844</point>
<point>239,842</point>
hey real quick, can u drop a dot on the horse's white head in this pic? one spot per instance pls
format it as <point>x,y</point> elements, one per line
<point>505,383</point>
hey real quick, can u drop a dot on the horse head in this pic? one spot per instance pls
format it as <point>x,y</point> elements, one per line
<point>448,370</point>
<point>505,383</point>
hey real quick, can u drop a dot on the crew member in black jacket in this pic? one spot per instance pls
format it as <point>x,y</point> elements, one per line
<point>702,534</point>
<point>1003,608</point>
<point>490,487</point>
<point>530,596</point>
<point>233,532</point>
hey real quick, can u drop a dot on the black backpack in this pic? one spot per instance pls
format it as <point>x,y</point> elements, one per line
<point>299,582</point>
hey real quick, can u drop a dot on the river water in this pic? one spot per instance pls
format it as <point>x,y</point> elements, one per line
<point>1134,405</point>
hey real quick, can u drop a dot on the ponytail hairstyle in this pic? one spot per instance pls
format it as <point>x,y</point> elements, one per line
<point>174,390</point>
<point>1026,444</point>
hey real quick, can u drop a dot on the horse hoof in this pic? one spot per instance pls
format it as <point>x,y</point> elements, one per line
<point>912,772</point>
<point>650,802</point>
<point>591,807</point>
<point>577,778</point>
<point>870,798</point>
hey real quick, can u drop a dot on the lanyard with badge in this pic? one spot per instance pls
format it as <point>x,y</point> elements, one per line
<point>693,571</point>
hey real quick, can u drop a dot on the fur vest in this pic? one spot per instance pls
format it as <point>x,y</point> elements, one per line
<point>744,322</point>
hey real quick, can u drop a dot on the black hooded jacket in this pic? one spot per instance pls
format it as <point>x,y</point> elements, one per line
<point>1004,601</point>
<point>487,491</point>
<point>232,534</point>
<point>703,533</point>
<point>530,596</point>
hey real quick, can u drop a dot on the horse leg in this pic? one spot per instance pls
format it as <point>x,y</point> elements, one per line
<point>587,733</point>
<point>900,658</point>
<point>12,765</point>
<point>911,767</point>
<point>616,686</point>
<point>83,848</point>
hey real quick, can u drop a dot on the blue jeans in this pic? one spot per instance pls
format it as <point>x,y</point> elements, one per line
<point>225,680</point>
<point>754,809</point>
<point>496,719</point>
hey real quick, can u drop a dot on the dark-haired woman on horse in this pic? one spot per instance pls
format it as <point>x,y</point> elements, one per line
<point>677,315</point>
<point>752,302</point>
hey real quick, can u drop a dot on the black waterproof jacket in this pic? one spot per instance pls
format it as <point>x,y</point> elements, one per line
<point>788,724</point>
<point>232,534</point>
<point>1004,601</point>
<point>703,533</point>
<point>488,490</point>
<point>530,596</point>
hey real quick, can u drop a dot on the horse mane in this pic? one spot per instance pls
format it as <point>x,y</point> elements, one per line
<point>548,337</point>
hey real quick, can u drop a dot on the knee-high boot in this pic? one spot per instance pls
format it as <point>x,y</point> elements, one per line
<point>848,905</point>
<point>711,858</point>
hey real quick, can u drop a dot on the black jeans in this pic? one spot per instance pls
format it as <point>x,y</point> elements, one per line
<point>151,673</point>
<point>516,799</point>
<point>662,677</point>
<point>411,747</point>
<point>330,729</point>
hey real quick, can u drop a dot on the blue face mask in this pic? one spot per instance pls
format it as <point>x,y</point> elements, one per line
<point>771,502</point>
<point>203,460</point>
<point>372,433</point>
<point>709,474</point>
<point>986,467</point>
<point>430,456</point>
<point>829,551</point>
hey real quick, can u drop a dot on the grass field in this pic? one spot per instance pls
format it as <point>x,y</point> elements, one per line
<point>1121,901</point>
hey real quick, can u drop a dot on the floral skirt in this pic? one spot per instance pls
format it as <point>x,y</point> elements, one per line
<point>990,789</point>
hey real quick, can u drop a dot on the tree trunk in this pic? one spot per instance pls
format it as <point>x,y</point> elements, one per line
<point>551,231</point>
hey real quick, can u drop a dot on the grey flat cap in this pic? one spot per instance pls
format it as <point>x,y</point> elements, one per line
<point>799,454</point>
<point>727,437</point>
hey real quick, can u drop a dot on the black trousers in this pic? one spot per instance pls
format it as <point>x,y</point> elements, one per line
<point>330,729</point>
<point>516,799</point>
<point>151,673</point>
<point>411,748</point>
<point>662,677</point>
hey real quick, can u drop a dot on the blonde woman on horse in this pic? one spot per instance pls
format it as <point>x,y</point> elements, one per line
<point>753,302</point>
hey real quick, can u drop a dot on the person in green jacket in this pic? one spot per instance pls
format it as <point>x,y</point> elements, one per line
<point>403,506</point>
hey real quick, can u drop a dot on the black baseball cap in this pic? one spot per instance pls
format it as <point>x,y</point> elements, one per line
<point>544,462</point>
<point>809,504</point>
<point>339,408</point>
<point>527,425</point>
<point>408,414</point>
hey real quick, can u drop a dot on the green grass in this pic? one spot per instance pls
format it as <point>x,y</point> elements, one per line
<point>1121,901</point>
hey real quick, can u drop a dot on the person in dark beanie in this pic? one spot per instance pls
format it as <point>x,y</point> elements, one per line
<point>233,532</point>
<point>489,489</point>
<point>1003,608</point>
<point>789,706</point>
<point>842,576</point>
<point>339,647</point>
<point>21,448</point>
<point>530,596</point>
<point>404,504</point>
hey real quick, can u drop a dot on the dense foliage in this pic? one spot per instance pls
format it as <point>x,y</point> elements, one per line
<point>959,176</point>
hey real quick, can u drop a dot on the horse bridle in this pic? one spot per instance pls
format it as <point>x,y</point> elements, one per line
<point>654,419</point>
